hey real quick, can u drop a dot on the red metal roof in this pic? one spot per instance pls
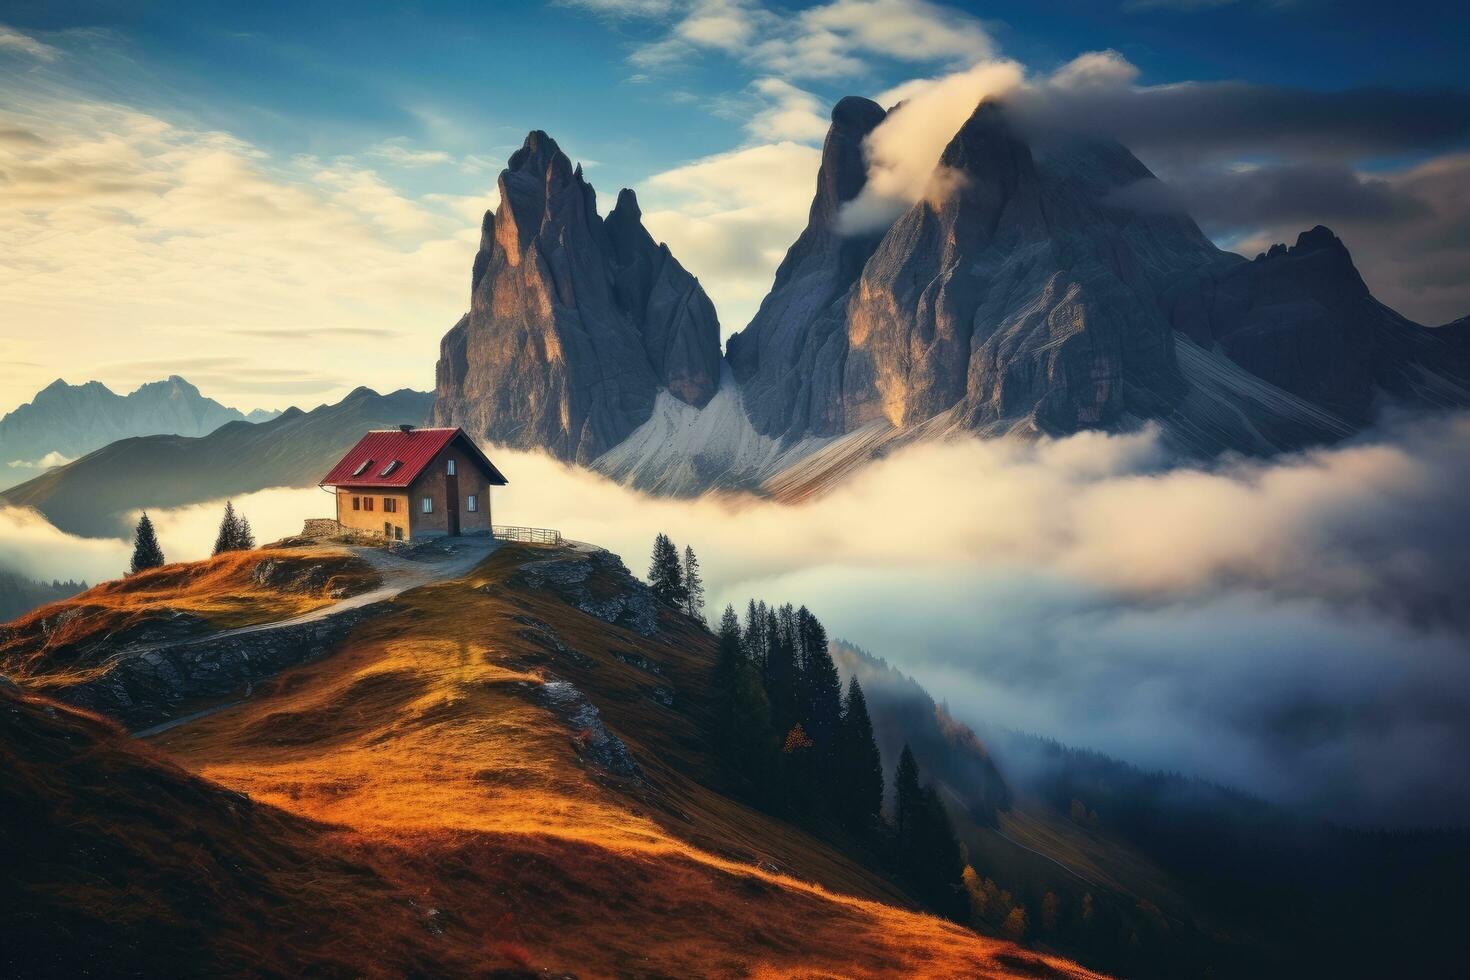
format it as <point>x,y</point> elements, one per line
<point>413,450</point>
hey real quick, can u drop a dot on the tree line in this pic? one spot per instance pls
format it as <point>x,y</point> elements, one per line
<point>804,748</point>
<point>234,535</point>
<point>807,750</point>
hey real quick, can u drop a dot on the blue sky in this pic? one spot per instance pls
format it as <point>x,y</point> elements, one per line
<point>375,131</point>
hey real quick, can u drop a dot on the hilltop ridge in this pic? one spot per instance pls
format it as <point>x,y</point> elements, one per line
<point>509,770</point>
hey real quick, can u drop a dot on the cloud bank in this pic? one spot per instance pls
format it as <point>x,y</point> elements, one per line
<point>1296,627</point>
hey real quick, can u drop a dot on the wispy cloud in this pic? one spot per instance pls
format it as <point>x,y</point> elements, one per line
<point>181,235</point>
<point>14,42</point>
<point>831,40</point>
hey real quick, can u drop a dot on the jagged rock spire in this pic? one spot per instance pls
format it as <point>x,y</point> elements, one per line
<point>575,323</point>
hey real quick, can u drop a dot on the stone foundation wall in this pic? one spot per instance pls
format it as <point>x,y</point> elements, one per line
<point>321,527</point>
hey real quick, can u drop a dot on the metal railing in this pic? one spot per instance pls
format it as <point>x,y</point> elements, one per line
<point>530,535</point>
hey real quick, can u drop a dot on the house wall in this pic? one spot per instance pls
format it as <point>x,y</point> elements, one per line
<point>373,520</point>
<point>432,483</point>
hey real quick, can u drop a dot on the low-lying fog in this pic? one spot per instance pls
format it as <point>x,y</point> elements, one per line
<point>1297,628</point>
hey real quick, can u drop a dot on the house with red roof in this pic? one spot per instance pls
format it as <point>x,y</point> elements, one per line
<point>408,483</point>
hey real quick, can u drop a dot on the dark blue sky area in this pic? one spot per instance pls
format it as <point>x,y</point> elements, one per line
<point>325,77</point>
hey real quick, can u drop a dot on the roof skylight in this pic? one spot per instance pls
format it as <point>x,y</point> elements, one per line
<point>362,467</point>
<point>387,470</point>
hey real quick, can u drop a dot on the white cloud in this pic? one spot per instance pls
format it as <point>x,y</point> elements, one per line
<point>14,41</point>
<point>1295,626</point>
<point>1095,69</point>
<point>397,153</point>
<point>904,150</point>
<point>729,218</point>
<point>46,462</point>
<point>831,40</point>
<point>790,113</point>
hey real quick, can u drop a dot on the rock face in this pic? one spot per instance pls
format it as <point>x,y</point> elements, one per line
<point>1036,290</point>
<point>1302,319</point>
<point>575,323</point>
<point>788,360</point>
<point>1042,287</point>
<point>1014,296</point>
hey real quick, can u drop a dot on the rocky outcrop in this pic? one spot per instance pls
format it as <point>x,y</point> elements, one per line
<point>145,687</point>
<point>623,600</point>
<point>590,737</point>
<point>575,324</point>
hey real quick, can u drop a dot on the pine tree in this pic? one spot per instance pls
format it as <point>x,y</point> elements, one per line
<point>860,767</point>
<point>693,585</point>
<point>146,551</point>
<point>728,659</point>
<point>821,687</point>
<point>229,531</point>
<point>743,715</point>
<point>927,850</point>
<point>939,865</point>
<point>664,575</point>
<point>782,677</point>
<point>907,794</point>
<point>757,648</point>
<point>245,541</point>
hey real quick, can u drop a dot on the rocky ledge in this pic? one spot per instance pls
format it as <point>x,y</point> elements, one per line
<point>629,604</point>
<point>149,686</point>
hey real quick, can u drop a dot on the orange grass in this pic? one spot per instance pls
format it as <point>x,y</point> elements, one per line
<point>50,641</point>
<point>424,740</point>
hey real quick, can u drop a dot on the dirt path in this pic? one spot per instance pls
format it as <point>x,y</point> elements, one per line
<point>442,559</point>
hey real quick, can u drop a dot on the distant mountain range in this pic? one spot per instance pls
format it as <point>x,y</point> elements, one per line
<point>1044,290</point>
<point>65,421</point>
<point>94,495</point>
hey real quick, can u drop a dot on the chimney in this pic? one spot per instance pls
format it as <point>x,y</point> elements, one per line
<point>405,427</point>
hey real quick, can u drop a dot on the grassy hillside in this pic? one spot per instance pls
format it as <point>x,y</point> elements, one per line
<point>71,640</point>
<point>94,495</point>
<point>436,797</point>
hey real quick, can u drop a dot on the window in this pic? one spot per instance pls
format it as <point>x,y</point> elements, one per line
<point>428,505</point>
<point>387,529</point>
<point>362,467</point>
<point>357,503</point>
<point>472,503</point>
<point>390,505</point>
<point>451,467</point>
<point>388,470</point>
<point>397,532</point>
<point>367,503</point>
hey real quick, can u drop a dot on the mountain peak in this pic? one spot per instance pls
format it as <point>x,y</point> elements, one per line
<point>856,112</point>
<point>537,148</point>
<point>987,147</point>
<point>608,318</point>
<point>1315,240</point>
<point>627,204</point>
